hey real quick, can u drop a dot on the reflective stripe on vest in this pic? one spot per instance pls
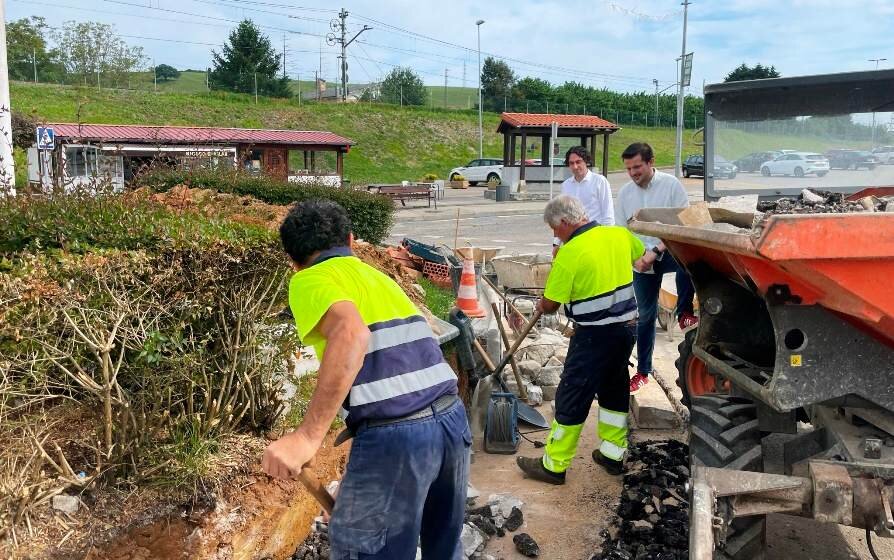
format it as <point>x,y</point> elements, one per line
<point>616,306</point>
<point>403,371</point>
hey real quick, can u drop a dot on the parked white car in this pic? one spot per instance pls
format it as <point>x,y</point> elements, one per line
<point>884,154</point>
<point>479,171</point>
<point>797,164</point>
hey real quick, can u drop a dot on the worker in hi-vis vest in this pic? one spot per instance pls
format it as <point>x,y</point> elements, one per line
<point>405,483</point>
<point>592,277</point>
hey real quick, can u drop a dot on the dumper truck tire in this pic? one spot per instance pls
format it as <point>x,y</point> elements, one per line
<point>693,376</point>
<point>724,433</point>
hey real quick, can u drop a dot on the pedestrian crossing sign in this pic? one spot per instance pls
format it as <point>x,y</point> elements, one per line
<point>46,138</point>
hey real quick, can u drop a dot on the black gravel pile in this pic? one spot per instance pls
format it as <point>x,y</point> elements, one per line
<point>653,516</point>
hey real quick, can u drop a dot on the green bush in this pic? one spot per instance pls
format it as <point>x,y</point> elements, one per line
<point>371,214</point>
<point>160,324</point>
<point>80,223</point>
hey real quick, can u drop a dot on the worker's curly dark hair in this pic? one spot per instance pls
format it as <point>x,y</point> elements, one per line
<point>314,225</point>
<point>581,152</point>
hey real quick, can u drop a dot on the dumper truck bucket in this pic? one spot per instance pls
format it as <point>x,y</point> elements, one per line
<point>775,300</point>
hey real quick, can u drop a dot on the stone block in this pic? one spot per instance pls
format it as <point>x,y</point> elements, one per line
<point>471,538</point>
<point>529,368</point>
<point>549,392</point>
<point>535,395</point>
<point>651,409</point>
<point>549,376</point>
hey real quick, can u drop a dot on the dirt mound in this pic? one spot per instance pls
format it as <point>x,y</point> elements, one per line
<point>249,210</point>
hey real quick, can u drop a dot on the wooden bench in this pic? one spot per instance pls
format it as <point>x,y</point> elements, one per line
<point>402,193</point>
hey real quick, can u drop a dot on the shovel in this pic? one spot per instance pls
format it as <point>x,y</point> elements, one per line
<point>494,383</point>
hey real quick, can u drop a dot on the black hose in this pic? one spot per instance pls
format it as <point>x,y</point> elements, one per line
<point>869,544</point>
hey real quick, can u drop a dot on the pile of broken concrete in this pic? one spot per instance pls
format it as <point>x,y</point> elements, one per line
<point>501,514</point>
<point>540,362</point>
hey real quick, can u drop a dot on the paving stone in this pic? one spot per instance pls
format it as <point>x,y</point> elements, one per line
<point>651,408</point>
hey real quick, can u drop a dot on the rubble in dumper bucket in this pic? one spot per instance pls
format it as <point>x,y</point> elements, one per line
<point>653,516</point>
<point>812,201</point>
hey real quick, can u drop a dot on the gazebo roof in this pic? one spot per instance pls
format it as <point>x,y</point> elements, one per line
<point>544,120</point>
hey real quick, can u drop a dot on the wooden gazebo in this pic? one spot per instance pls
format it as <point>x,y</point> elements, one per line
<point>522,126</point>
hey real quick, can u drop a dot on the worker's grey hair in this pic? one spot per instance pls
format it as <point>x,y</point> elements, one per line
<point>566,209</point>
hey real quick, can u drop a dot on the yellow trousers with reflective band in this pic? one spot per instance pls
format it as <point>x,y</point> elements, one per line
<point>561,445</point>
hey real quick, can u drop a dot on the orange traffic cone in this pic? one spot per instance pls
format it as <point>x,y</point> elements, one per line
<point>467,295</point>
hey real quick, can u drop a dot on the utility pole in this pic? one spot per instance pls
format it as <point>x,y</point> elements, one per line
<point>445,88</point>
<point>401,94</point>
<point>876,60</point>
<point>656,101</point>
<point>256,87</point>
<point>464,73</point>
<point>34,60</point>
<point>154,76</point>
<point>298,80</point>
<point>7,170</point>
<point>678,148</point>
<point>341,39</point>
<point>480,118</point>
<point>283,55</point>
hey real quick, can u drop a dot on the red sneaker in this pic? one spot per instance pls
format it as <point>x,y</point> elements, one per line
<point>687,320</point>
<point>637,382</point>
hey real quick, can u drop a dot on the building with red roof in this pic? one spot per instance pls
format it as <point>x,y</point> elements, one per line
<point>87,153</point>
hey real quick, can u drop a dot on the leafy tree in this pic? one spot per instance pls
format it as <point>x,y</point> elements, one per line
<point>89,49</point>
<point>26,46</point>
<point>745,72</point>
<point>165,72</point>
<point>248,54</point>
<point>497,80</point>
<point>533,89</point>
<point>403,83</point>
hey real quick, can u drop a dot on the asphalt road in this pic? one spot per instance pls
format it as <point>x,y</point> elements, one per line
<point>516,226</point>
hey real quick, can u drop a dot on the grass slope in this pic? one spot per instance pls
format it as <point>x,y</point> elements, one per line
<point>393,143</point>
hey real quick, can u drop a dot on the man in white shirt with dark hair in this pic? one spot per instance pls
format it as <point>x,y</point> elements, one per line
<point>650,188</point>
<point>592,189</point>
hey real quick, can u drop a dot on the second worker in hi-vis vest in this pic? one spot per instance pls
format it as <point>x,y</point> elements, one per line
<point>592,276</point>
<point>405,483</point>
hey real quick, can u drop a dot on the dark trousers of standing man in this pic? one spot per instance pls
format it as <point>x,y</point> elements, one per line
<point>646,287</point>
<point>596,366</point>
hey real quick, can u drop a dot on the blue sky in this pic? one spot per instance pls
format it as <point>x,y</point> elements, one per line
<point>622,45</point>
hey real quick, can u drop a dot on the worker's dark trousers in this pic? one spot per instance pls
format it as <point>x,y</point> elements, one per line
<point>596,365</point>
<point>405,486</point>
<point>646,287</point>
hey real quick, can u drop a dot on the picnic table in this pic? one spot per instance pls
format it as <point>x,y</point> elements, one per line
<point>403,193</point>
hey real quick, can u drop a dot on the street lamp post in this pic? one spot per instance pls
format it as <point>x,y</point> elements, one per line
<point>876,60</point>
<point>480,118</point>
<point>656,101</point>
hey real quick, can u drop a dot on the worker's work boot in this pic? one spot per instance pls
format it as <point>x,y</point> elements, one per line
<point>611,466</point>
<point>533,468</point>
<point>638,381</point>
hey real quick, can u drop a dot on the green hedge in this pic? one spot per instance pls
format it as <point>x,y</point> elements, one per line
<point>81,223</point>
<point>371,215</point>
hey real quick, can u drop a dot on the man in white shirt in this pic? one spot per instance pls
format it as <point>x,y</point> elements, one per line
<point>592,189</point>
<point>651,188</point>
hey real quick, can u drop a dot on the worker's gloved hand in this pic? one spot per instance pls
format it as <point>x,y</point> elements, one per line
<point>285,457</point>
